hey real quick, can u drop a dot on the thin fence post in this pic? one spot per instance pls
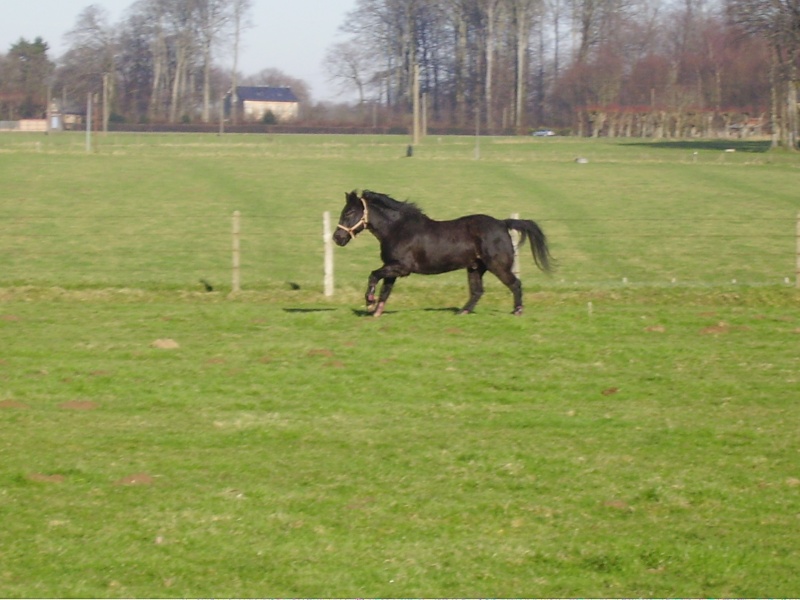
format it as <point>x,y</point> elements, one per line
<point>89,123</point>
<point>327,239</point>
<point>515,240</point>
<point>236,282</point>
<point>797,258</point>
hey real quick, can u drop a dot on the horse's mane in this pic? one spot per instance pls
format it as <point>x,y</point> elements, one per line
<point>408,209</point>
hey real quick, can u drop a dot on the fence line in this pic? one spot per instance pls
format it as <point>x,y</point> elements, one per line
<point>134,251</point>
<point>328,277</point>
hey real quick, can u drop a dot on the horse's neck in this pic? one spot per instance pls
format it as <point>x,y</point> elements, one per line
<point>384,221</point>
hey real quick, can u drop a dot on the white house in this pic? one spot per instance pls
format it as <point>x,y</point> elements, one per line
<point>254,102</point>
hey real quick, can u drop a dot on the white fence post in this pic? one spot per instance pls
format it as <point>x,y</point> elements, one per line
<point>327,239</point>
<point>515,237</point>
<point>236,282</point>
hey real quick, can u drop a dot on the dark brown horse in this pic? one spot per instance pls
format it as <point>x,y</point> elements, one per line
<point>411,242</point>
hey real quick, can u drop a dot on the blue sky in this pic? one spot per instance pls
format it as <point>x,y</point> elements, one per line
<point>291,36</point>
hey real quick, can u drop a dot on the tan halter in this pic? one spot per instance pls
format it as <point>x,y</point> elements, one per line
<point>362,221</point>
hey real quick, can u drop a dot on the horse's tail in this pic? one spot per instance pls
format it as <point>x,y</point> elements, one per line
<point>530,230</point>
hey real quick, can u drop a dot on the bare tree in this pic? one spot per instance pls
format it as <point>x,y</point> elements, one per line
<point>154,12</point>
<point>488,10</point>
<point>522,15</point>
<point>349,64</point>
<point>212,19</point>
<point>460,9</point>
<point>240,20</point>
<point>89,64</point>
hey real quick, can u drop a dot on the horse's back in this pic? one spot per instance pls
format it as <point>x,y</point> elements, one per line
<point>486,238</point>
<point>431,247</point>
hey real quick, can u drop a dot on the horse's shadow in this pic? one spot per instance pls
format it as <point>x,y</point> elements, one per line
<point>360,312</point>
<point>451,309</point>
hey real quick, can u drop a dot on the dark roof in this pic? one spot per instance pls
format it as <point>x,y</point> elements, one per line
<point>262,93</point>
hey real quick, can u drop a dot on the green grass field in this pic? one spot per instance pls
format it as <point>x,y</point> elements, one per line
<point>635,439</point>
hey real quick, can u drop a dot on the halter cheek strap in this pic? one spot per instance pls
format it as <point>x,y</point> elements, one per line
<point>364,220</point>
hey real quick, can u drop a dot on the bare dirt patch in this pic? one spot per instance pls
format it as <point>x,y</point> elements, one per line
<point>620,505</point>
<point>321,352</point>
<point>136,479</point>
<point>78,405</point>
<point>719,328</point>
<point>12,404</point>
<point>165,344</point>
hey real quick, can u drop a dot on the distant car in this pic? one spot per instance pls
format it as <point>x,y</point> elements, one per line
<point>544,133</point>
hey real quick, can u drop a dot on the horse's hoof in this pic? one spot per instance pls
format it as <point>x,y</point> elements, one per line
<point>379,309</point>
<point>517,311</point>
<point>464,311</point>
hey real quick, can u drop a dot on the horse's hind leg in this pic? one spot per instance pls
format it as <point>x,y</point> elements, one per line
<point>516,289</point>
<point>498,255</point>
<point>513,283</point>
<point>475,279</point>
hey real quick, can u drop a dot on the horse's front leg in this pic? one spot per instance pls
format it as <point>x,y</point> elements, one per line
<point>372,284</point>
<point>386,290</point>
<point>388,273</point>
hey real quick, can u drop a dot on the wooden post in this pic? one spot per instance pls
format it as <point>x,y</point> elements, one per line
<point>89,123</point>
<point>49,115</point>
<point>327,239</point>
<point>515,240</point>
<point>236,282</point>
<point>424,131</point>
<point>797,263</point>
<point>477,133</point>
<point>105,104</point>
<point>222,116</point>
<point>415,106</point>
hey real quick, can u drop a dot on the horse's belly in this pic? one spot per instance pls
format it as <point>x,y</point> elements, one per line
<point>429,263</point>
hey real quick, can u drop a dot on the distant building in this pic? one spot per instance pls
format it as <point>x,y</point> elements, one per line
<point>69,116</point>
<point>255,102</point>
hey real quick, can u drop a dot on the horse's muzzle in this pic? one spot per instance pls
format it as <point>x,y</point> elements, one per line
<point>341,237</point>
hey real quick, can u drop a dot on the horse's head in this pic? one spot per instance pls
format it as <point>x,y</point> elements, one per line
<point>353,220</point>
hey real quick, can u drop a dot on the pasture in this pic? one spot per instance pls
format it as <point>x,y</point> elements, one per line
<point>620,439</point>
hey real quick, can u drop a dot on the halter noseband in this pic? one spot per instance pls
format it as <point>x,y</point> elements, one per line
<point>362,221</point>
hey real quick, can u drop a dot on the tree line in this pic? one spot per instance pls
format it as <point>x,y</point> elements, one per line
<point>657,68</point>
<point>164,62</point>
<point>596,67</point>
